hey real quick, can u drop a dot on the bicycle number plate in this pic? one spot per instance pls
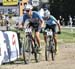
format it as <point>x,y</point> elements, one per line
<point>28,30</point>
<point>49,33</point>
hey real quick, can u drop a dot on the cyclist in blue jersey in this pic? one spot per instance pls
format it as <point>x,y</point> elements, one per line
<point>51,23</point>
<point>36,21</point>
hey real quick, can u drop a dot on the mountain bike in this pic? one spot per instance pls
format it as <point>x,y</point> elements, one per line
<point>29,46</point>
<point>50,45</point>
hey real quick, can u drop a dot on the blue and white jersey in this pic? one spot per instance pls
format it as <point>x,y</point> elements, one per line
<point>34,18</point>
<point>51,21</point>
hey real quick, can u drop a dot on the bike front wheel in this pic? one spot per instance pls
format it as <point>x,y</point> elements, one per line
<point>27,50</point>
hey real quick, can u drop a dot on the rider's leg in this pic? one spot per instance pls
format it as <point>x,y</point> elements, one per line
<point>44,34</point>
<point>37,35</point>
<point>53,27</point>
<point>45,38</point>
<point>55,41</point>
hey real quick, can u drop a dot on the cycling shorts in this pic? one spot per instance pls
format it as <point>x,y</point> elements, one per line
<point>53,27</point>
<point>35,26</point>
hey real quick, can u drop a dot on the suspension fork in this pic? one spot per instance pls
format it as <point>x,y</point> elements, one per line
<point>32,39</point>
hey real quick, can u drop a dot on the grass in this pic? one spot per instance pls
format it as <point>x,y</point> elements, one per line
<point>66,36</point>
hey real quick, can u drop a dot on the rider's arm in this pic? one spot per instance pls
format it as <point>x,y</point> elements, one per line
<point>24,19</point>
<point>41,21</point>
<point>58,24</point>
<point>59,27</point>
<point>21,25</point>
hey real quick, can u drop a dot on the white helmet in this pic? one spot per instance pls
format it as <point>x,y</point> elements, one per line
<point>28,7</point>
<point>46,13</point>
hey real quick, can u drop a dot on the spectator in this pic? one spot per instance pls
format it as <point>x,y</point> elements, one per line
<point>60,20</point>
<point>74,21</point>
<point>70,20</point>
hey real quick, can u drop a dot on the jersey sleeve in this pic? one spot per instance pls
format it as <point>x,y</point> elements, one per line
<point>54,18</point>
<point>24,18</point>
<point>39,16</point>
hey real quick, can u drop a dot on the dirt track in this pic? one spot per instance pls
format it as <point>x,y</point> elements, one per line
<point>64,60</point>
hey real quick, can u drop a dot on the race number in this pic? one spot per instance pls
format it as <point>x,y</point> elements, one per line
<point>49,33</point>
<point>28,30</point>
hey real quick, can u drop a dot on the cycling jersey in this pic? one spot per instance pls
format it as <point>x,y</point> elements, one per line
<point>51,20</point>
<point>34,20</point>
<point>35,17</point>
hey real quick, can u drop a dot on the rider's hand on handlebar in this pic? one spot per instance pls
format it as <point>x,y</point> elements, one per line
<point>59,32</point>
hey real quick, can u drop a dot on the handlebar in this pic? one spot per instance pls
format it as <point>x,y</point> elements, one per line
<point>44,31</point>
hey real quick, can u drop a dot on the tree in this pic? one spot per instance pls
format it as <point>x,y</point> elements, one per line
<point>63,7</point>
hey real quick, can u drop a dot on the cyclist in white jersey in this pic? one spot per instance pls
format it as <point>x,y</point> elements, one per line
<point>51,23</point>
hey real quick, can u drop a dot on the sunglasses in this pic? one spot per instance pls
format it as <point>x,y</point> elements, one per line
<point>27,10</point>
<point>45,18</point>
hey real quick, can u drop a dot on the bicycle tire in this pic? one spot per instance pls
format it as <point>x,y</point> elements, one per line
<point>23,49</point>
<point>52,53</point>
<point>27,50</point>
<point>47,54</point>
<point>47,51</point>
<point>36,54</point>
<point>52,50</point>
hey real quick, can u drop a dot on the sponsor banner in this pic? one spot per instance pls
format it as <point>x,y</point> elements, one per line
<point>2,46</point>
<point>10,2</point>
<point>10,46</point>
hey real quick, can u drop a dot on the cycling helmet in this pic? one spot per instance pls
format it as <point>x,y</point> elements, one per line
<point>28,7</point>
<point>46,13</point>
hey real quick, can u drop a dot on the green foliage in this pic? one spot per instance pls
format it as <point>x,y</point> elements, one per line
<point>67,36</point>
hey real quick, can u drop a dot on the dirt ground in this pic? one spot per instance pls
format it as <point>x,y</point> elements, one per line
<point>65,59</point>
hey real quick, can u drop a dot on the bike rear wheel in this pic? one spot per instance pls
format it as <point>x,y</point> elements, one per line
<point>36,54</point>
